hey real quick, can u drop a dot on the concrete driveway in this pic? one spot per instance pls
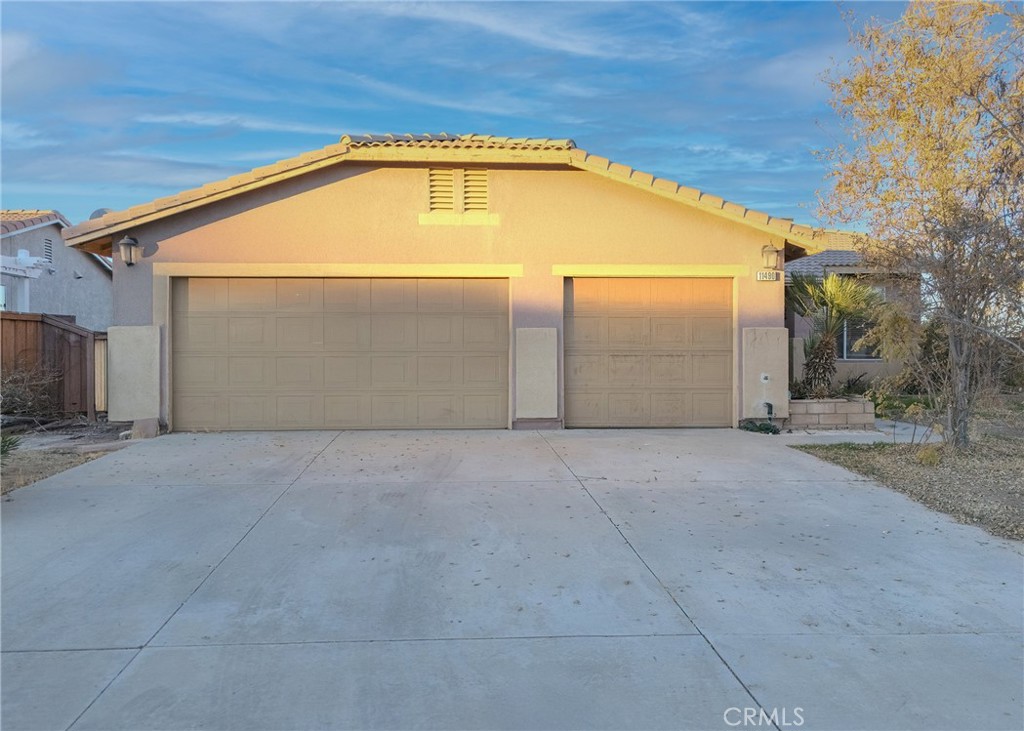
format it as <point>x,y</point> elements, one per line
<point>578,579</point>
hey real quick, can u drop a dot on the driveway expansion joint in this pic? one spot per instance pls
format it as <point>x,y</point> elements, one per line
<point>204,580</point>
<point>657,578</point>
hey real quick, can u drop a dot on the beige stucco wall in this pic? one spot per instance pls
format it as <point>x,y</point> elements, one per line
<point>133,370</point>
<point>73,284</point>
<point>363,221</point>
<point>536,371</point>
<point>766,356</point>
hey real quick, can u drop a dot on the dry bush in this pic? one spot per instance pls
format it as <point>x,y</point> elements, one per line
<point>34,392</point>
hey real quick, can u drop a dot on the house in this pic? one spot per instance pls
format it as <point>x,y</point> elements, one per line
<point>446,281</point>
<point>852,361</point>
<point>40,274</point>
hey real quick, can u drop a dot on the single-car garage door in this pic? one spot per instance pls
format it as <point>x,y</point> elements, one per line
<point>339,353</point>
<point>648,352</point>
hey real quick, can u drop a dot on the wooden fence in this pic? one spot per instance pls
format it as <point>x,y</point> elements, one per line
<point>56,345</point>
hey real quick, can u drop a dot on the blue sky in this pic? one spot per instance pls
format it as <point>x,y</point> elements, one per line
<point>116,103</point>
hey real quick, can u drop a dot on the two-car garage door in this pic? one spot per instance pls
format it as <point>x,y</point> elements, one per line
<point>339,353</point>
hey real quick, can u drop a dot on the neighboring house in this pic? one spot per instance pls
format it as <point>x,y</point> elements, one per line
<point>423,281</point>
<point>852,361</point>
<point>40,274</point>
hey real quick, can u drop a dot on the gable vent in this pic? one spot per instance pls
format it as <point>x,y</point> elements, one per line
<point>442,189</point>
<point>474,190</point>
<point>48,251</point>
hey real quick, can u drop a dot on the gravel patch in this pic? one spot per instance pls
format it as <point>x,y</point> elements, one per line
<point>983,485</point>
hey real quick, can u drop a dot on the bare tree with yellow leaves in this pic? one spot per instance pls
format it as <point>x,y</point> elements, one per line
<point>933,105</point>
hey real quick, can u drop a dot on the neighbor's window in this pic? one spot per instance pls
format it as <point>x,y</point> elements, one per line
<point>854,330</point>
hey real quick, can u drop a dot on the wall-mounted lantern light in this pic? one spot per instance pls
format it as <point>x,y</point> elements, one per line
<point>770,256</point>
<point>129,249</point>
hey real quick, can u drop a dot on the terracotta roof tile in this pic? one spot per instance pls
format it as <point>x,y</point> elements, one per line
<point>14,220</point>
<point>734,209</point>
<point>444,139</point>
<point>711,201</point>
<point>598,162</point>
<point>642,177</point>
<point>669,186</point>
<point>617,168</point>
<point>758,216</point>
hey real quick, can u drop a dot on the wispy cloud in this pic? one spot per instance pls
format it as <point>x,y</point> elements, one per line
<point>235,121</point>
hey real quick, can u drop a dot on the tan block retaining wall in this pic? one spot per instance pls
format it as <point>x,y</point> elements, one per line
<point>831,413</point>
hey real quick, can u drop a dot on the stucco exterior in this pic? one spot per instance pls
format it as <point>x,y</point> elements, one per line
<point>544,223</point>
<point>61,281</point>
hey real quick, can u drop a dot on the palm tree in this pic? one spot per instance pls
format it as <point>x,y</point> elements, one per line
<point>828,303</point>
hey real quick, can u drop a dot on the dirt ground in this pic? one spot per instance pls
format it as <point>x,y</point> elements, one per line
<point>46,451</point>
<point>983,485</point>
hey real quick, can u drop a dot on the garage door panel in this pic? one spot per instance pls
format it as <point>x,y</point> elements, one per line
<point>339,353</point>
<point>300,411</point>
<point>627,370</point>
<point>342,371</point>
<point>670,369</point>
<point>393,332</point>
<point>628,409</point>
<point>251,411</point>
<point>251,333</point>
<point>485,371</point>
<point>628,332</point>
<point>484,332</point>
<point>438,410</point>
<point>300,333</point>
<point>670,332</point>
<point>345,331</point>
<point>200,295</point>
<point>252,295</point>
<point>438,371</point>
<point>199,333</point>
<point>711,408</point>
<point>393,295</point>
<point>202,411</point>
<point>202,371</point>
<point>586,369</point>
<point>648,352</point>
<point>395,410</point>
<point>398,371</point>
<point>439,295</point>
<point>628,294</point>
<point>439,332</point>
<point>483,409</point>
<point>255,371</point>
<point>586,331</point>
<point>300,372</point>
<point>712,332</point>
<point>300,295</point>
<point>711,295</point>
<point>672,294</point>
<point>346,412</point>
<point>485,295</point>
<point>586,408</point>
<point>671,408</point>
<point>347,295</point>
<point>710,369</point>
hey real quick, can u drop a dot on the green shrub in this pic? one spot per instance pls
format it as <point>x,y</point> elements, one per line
<point>8,443</point>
